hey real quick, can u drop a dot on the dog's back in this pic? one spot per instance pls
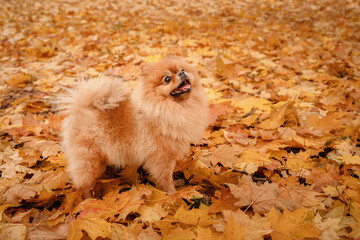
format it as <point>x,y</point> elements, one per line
<point>82,132</point>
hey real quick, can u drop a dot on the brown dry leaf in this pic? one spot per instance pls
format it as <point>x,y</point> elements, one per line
<point>30,156</point>
<point>233,230</point>
<point>301,197</point>
<point>277,118</point>
<point>113,206</point>
<point>12,231</point>
<point>266,135</point>
<point>321,178</point>
<point>292,225</point>
<point>19,192</point>
<point>299,161</point>
<point>152,213</point>
<point>148,234</point>
<point>224,154</point>
<point>327,123</point>
<point>254,228</point>
<point>251,156</point>
<point>217,137</point>
<point>226,201</point>
<point>291,138</point>
<point>59,231</point>
<point>48,148</point>
<point>351,159</point>
<point>249,103</point>
<point>56,218</point>
<point>133,231</point>
<point>93,226</point>
<point>330,224</point>
<point>198,217</point>
<point>11,169</point>
<point>184,193</point>
<point>203,233</point>
<point>237,137</point>
<point>24,216</point>
<point>261,198</point>
<point>180,234</point>
<point>198,172</point>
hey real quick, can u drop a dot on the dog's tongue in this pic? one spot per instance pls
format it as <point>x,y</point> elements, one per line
<point>184,87</point>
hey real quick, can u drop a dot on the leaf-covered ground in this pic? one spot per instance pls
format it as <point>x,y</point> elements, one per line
<point>280,159</point>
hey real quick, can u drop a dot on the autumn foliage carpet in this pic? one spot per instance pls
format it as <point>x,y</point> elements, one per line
<point>280,159</point>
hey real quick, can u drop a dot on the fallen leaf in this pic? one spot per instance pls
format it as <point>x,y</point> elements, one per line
<point>12,231</point>
<point>248,103</point>
<point>94,227</point>
<point>261,198</point>
<point>292,225</point>
<point>194,216</point>
<point>112,204</point>
<point>233,230</point>
<point>253,228</point>
<point>153,213</point>
<point>180,234</point>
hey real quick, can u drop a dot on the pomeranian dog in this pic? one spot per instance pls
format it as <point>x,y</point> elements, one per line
<point>151,126</point>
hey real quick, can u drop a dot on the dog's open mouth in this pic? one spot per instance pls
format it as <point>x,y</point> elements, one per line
<point>182,89</point>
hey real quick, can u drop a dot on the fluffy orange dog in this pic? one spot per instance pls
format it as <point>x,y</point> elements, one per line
<point>150,127</point>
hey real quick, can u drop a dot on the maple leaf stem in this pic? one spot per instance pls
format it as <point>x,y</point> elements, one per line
<point>347,204</point>
<point>71,217</point>
<point>254,201</point>
<point>62,187</point>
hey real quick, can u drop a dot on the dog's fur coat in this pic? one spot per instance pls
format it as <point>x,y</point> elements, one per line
<point>106,124</point>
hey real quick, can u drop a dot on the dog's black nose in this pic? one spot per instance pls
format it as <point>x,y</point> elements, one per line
<point>181,73</point>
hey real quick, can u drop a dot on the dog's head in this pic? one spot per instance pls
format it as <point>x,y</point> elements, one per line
<point>171,78</point>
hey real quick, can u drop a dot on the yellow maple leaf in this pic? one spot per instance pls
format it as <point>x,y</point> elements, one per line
<point>12,231</point>
<point>254,228</point>
<point>194,216</point>
<point>261,198</point>
<point>233,230</point>
<point>277,118</point>
<point>225,154</point>
<point>204,234</point>
<point>112,204</point>
<point>153,213</point>
<point>252,156</point>
<point>333,191</point>
<point>252,102</point>
<point>217,137</point>
<point>94,227</point>
<point>292,225</point>
<point>180,234</point>
<point>299,161</point>
<point>351,159</point>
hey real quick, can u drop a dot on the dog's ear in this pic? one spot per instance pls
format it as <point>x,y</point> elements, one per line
<point>145,69</point>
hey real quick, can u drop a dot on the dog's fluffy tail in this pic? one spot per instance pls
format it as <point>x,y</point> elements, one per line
<point>101,93</point>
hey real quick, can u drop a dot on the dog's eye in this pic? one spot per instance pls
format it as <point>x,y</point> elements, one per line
<point>167,79</point>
